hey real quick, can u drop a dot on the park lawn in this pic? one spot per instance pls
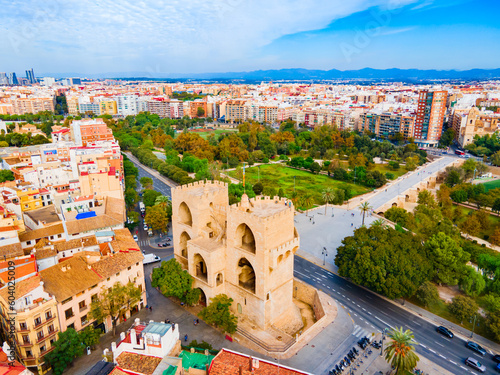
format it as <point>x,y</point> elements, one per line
<point>441,309</point>
<point>384,168</point>
<point>279,176</point>
<point>491,185</point>
<point>205,134</point>
<point>494,222</point>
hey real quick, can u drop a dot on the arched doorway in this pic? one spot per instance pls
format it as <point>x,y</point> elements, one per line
<point>203,297</point>
<point>246,275</point>
<point>245,238</point>
<point>184,238</point>
<point>185,214</point>
<point>200,268</point>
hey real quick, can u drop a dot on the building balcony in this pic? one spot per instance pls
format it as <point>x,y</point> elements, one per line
<point>47,351</point>
<point>39,339</point>
<point>25,344</point>
<point>84,308</point>
<point>51,333</point>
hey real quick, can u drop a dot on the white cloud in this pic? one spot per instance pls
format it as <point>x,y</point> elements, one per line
<point>171,35</point>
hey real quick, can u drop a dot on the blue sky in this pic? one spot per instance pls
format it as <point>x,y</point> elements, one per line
<point>196,36</point>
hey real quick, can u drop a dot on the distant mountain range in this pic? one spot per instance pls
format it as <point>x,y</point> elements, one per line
<point>306,75</point>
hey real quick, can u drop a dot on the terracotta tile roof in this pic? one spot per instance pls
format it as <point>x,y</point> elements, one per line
<point>91,223</point>
<point>68,278</point>
<point>75,243</point>
<point>124,241</point>
<point>46,214</point>
<point>138,363</point>
<point>41,233</point>
<point>45,253</point>
<point>9,368</point>
<point>11,251</point>
<point>228,363</point>
<point>114,263</point>
<point>118,371</point>
<point>23,287</point>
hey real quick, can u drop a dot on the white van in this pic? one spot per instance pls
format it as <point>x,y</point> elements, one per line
<point>150,258</point>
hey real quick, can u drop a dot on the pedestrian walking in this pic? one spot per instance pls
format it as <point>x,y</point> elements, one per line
<point>186,338</point>
<point>150,308</point>
<point>351,224</point>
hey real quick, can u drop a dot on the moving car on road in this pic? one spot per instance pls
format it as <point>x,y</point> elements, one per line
<point>150,258</point>
<point>476,347</point>
<point>445,331</point>
<point>475,364</point>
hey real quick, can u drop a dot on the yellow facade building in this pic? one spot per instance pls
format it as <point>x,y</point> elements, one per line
<point>30,199</point>
<point>108,107</point>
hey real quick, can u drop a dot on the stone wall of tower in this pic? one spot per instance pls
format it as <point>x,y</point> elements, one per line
<point>245,250</point>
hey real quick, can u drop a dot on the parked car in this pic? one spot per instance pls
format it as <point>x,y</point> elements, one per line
<point>476,347</point>
<point>496,358</point>
<point>164,244</point>
<point>136,238</point>
<point>146,227</point>
<point>475,364</point>
<point>150,258</point>
<point>445,331</point>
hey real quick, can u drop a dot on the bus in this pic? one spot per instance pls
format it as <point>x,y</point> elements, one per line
<point>459,152</point>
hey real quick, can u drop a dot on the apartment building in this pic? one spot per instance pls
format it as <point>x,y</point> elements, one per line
<point>108,107</point>
<point>193,108</point>
<point>21,106</point>
<point>235,110</point>
<point>77,282</point>
<point>430,117</point>
<point>160,107</point>
<point>37,322</point>
<point>32,198</point>
<point>90,130</point>
<point>387,124</point>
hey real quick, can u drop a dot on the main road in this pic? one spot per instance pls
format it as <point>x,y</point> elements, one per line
<point>370,312</point>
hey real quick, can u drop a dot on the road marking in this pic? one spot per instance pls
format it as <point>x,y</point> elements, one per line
<point>432,351</point>
<point>369,297</point>
<point>442,356</point>
<point>418,324</point>
<point>358,305</point>
<point>300,273</point>
<point>466,369</point>
<point>343,296</point>
<point>423,346</point>
<point>348,299</point>
<point>439,344</point>
<point>455,363</point>
<point>387,324</point>
<point>363,309</point>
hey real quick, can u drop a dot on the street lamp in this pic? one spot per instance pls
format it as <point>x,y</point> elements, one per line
<point>325,254</point>
<point>474,325</point>
<point>382,346</point>
<point>294,184</point>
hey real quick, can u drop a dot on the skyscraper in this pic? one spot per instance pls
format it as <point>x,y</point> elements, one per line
<point>13,79</point>
<point>3,79</point>
<point>430,117</point>
<point>30,76</point>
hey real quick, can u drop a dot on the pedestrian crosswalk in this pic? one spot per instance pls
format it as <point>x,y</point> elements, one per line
<point>360,332</point>
<point>144,243</point>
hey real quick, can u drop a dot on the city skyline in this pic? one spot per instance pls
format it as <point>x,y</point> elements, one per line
<point>166,37</point>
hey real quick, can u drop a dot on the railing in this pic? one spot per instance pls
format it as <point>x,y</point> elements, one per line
<point>26,343</point>
<point>84,308</point>
<point>268,348</point>
<point>40,338</point>
<point>46,351</point>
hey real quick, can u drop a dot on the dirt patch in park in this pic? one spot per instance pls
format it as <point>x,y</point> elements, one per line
<point>447,293</point>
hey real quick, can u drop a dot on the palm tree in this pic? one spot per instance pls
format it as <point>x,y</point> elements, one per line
<point>328,196</point>
<point>163,201</point>
<point>401,351</point>
<point>306,201</point>
<point>380,223</point>
<point>364,208</point>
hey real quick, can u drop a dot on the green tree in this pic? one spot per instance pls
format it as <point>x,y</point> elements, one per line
<point>67,348</point>
<point>495,159</point>
<point>426,198</point>
<point>173,281</point>
<point>463,308</point>
<point>218,313</point>
<point>399,216</point>
<point>496,205</point>
<point>471,225</point>
<point>472,282</point>
<point>493,322</point>
<point>364,208</point>
<point>452,178</point>
<point>157,218</point>
<point>315,167</point>
<point>447,257</point>
<point>258,188</point>
<point>131,197</point>
<point>427,293</point>
<point>114,302</point>
<point>328,196</point>
<point>6,175</point>
<point>164,202</point>
<point>149,197</point>
<point>384,260</point>
<point>146,182</point>
<point>89,336</point>
<point>400,351</point>
<point>200,112</point>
